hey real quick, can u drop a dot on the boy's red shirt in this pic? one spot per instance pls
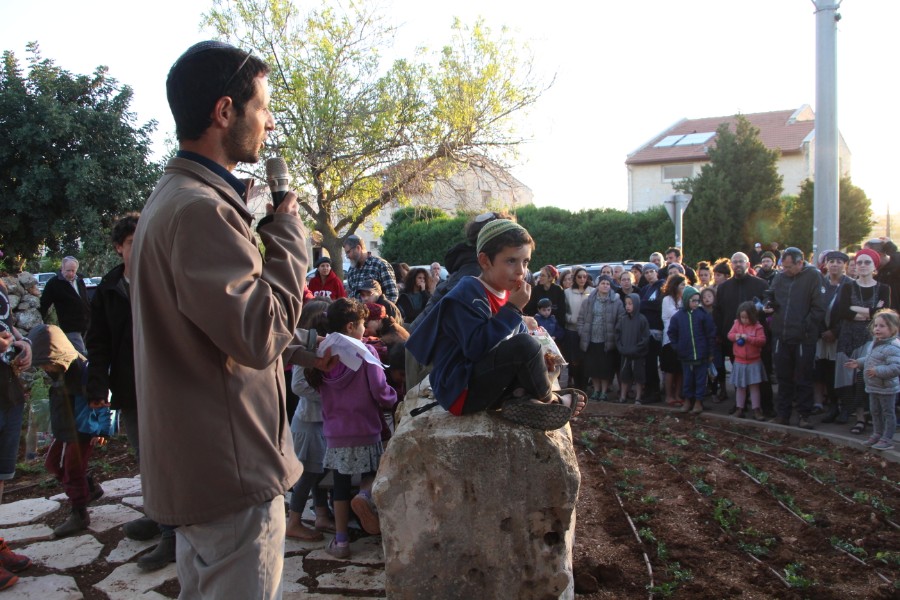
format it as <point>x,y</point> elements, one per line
<point>496,303</point>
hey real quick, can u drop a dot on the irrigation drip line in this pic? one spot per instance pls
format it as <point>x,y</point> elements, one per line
<point>864,563</point>
<point>623,438</point>
<point>634,531</point>
<point>731,432</point>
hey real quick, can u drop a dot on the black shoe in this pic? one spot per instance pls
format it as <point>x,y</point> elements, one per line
<point>142,529</point>
<point>804,423</point>
<point>77,521</point>
<point>832,414</point>
<point>94,489</point>
<point>162,555</point>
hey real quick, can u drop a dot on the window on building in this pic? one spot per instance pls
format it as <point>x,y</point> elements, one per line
<point>677,172</point>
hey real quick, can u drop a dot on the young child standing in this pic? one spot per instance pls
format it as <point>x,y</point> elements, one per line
<point>881,371</point>
<point>309,442</point>
<point>692,334</point>
<point>545,319</point>
<point>747,371</point>
<point>632,341</point>
<point>77,425</point>
<point>482,355</point>
<point>352,404</point>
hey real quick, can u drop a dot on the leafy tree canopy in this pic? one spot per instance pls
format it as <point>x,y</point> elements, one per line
<point>358,134</point>
<point>854,223</point>
<point>72,158</point>
<point>736,196</point>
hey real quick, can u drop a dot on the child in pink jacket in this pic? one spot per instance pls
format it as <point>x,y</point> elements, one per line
<point>747,370</point>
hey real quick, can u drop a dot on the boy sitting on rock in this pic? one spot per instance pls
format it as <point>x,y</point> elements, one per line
<point>77,425</point>
<point>482,356</point>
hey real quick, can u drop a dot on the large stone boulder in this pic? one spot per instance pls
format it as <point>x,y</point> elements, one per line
<point>476,507</point>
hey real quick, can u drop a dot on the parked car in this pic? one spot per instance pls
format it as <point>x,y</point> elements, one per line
<point>593,268</point>
<point>43,278</point>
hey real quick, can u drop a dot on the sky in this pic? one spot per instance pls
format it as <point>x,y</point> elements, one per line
<point>623,72</point>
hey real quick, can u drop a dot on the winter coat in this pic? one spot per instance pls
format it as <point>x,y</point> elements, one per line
<point>352,403</point>
<point>73,309</point>
<point>574,300</point>
<point>751,351</point>
<point>885,359</point>
<point>332,287</point>
<point>800,307</point>
<point>633,331</point>
<point>110,343</point>
<point>461,261</point>
<point>614,309</point>
<point>212,318</point>
<point>693,334</point>
<point>651,304</point>
<point>731,293</point>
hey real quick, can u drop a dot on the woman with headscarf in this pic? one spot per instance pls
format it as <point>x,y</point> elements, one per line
<point>547,287</point>
<point>857,304</point>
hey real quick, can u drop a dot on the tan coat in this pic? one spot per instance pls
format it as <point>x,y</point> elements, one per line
<point>211,320</point>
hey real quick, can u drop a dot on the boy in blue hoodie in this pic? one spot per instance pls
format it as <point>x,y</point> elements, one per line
<point>692,334</point>
<point>547,320</point>
<point>77,425</point>
<point>482,355</point>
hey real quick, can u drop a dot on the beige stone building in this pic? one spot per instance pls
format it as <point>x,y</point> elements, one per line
<point>681,150</point>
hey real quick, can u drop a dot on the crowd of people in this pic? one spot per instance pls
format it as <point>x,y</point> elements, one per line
<point>803,325</point>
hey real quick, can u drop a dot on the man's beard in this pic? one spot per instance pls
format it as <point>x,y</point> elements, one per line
<point>241,145</point>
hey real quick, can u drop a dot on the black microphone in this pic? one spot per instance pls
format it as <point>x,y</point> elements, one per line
<point>277,177</point>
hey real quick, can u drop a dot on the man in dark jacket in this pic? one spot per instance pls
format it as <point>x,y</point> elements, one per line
<point>798,316</point>
<point>68,294</point>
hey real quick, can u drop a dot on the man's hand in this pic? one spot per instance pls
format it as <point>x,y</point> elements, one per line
<point>288,205</point>
<point>99,441</point>
<point>521,295</point>
<point>24,359</point>
<point>326,362</point>
<point>98,403</point>
<point>851,364</point>
<point>828,337</point>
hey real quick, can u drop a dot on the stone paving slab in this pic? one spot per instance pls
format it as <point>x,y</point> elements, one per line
<point>65,553</point>
<point>47,587</point>
<point>114,488</point>
<point>293,571</point>
<point>128,581</point>
<point>313,596</point>
<point>128,549</point>
<point>26,511</point>
<point>292,546</point>
<point>27,533</point>
<point>365,551</point>
<point>134,501</point>
<point>109,516</point>
<point>353,577</point>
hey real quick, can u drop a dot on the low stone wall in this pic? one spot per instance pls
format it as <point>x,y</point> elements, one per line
<point>476,507</point>
<point>24,301</point>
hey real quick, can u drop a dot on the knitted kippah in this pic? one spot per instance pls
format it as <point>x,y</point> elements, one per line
<point>493,229</point>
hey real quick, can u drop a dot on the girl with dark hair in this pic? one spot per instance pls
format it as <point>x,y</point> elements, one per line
<point>415,294</point>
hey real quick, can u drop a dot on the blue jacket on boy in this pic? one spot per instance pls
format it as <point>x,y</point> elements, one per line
<point>459,332</point>
<point>692,332</point>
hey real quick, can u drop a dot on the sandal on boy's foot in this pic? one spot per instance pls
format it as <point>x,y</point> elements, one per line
<point>858,428</point>
<point>566,396</point>
<point>366,513</point>
<point>533,413</point>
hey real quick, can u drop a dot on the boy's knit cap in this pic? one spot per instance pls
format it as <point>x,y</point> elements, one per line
<point>493,229</point>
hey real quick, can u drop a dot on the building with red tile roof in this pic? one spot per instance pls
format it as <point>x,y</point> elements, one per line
<point>681,150</point>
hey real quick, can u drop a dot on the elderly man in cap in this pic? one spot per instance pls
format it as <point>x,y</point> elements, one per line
<point>888,267</point>
<point>826,348</point>
<point>364,267</point>
<point>756,254</point>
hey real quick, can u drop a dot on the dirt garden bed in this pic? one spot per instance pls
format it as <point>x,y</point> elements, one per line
<point>695,508</point>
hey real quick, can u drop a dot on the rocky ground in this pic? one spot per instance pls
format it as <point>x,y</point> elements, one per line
<point>673,506</point>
